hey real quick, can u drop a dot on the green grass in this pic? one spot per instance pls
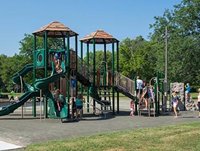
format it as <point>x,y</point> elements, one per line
<point>184,137</point>
<point>194,95</point>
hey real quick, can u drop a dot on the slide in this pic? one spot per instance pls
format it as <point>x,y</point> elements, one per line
<point>53,110</point>
<point>5,110</point>
<point>43,83</point>
<point>10,108</point>
<point>94,93</point>
<point>27,68</point>
<point>92,90</point>
<point>39,84</point>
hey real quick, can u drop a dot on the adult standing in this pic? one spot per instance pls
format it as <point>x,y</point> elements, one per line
<point>187,92</point>
<point>139,84</point>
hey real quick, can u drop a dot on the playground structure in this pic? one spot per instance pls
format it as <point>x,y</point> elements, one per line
<point>72,68</point>
<point>61,68</point>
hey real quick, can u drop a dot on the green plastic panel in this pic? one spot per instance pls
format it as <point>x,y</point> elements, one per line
<point>40,58</point>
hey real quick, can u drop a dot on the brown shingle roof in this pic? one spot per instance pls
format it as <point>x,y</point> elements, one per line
<point>100,37</point>
<point>55,29</point>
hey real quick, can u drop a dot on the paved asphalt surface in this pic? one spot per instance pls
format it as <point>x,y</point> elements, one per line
<point>23,131</point>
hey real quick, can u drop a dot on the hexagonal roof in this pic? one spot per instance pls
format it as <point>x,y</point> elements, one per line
<point>100,37</point>
<point>55,29</point>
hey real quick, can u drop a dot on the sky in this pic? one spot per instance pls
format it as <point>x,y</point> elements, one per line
<point>120,18</point>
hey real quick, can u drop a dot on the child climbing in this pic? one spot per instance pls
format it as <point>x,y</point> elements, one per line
<point>57,62</point>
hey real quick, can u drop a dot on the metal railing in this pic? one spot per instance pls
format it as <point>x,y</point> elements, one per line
<point>83,70</point>
<point>125,83</point>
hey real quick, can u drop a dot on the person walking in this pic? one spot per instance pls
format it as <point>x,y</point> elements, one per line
<point>175,100</point>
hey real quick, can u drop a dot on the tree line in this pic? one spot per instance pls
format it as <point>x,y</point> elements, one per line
<point>138,56</point>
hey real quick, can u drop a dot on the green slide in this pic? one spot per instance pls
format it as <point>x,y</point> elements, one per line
<point>27,68</point>
<point>39,84</point>
<point>5,110</point>
<point>92,90</point>
<point>53,110</point>
<point>10,108</point>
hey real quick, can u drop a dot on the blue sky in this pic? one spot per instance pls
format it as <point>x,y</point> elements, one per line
<point>120,18</point>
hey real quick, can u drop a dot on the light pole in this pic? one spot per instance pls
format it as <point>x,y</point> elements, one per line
<point>166,62</point>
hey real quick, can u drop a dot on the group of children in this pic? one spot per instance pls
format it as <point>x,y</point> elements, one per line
<point>144,93</point>
<point>76,104</point>
<point>176,99</point>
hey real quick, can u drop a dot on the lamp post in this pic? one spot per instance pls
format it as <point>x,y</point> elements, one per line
<point>166,62</point>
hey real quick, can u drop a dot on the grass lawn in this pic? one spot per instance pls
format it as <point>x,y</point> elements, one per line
<point>184,137</point>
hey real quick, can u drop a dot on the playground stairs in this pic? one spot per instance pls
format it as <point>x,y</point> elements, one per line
<point>125,85</point>
<point>149,111</point>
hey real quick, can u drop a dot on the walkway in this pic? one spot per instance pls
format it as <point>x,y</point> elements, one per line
<point>21,132</point>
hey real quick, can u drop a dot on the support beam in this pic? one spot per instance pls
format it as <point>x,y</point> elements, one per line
<point>113,72</point>
<point>94,70</point>
<point>81,65</point>
<point>68,75</point>
<point>118,72</point>
<point>88,53</point>
<point>76,51</point>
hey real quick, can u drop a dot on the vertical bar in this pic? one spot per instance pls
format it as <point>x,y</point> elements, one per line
<point>64,44</point>
<point>82,65</point>
<point>45,67</point>
<point>105,65</point>
<point>68,75</point>
<point>113,72</point>
<point>88,53</point>
<point>46,53</point>
<point>76,51</point>
<point>105,70</point>
<point>94,71</point>
<point>117,72</point>
<point>34,73</point>
<point>94,61</point>
<point>137,99</point>
<point>165,79</point>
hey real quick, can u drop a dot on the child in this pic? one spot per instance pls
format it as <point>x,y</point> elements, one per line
<point>175,102</point>
<point>57,62</point>
<point>79,106</point>
<point>198,104</point>
<point>73,103</point>
<point>187,92</point>
<point>132,108</point>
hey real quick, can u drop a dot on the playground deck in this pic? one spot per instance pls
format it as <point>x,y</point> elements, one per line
<point>29,130</point>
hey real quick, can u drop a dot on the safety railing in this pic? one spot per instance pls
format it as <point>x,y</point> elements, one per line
<point>84,70</point>
<point>125,83</point>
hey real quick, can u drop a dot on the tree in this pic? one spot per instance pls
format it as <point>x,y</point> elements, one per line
<point>183,48</point>
<point>137,57</point>
<point>99,59</point>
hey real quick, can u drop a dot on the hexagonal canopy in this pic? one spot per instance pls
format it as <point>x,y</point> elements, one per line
<point>100,37</point>
<point>56,30</point>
